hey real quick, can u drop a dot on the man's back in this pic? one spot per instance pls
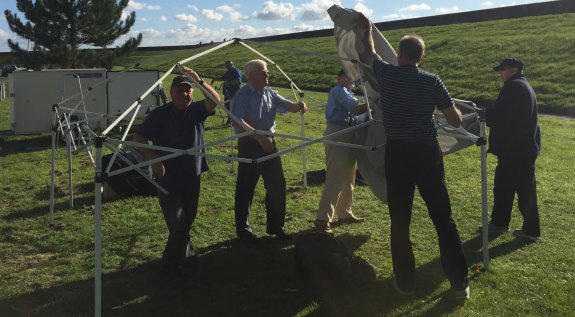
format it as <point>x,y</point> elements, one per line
<point>409,97</point>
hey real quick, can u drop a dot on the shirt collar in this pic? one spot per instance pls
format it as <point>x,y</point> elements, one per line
<point>253,89</point>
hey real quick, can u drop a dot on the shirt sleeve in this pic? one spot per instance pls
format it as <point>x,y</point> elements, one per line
<point>282,104</point>
<point>379,67</point>
<point>442,96</point>
<point>236,74</point>
<point>200,109</point>
<point>345,99</point>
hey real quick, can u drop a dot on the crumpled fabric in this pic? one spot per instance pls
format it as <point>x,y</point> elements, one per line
<point>349,45</point>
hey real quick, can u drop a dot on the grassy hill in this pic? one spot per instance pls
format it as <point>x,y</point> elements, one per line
<point>462,54</point>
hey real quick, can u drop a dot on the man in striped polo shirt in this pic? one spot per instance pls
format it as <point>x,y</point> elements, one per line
<point>409,96</point>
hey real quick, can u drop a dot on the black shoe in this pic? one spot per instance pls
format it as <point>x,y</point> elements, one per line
<point>279,233</point>
<point>248,237</point>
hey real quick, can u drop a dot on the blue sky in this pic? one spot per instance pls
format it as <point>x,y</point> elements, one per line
<point>182,22</point>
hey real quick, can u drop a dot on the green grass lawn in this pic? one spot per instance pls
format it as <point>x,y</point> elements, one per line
<point>49,271</point>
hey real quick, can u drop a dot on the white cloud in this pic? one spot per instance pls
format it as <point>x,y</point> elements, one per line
<point>361,7</point>
<point>125,15</point>
<point>316,9</point>
<point>164,18</point>
<point>142,6</point>
<point>487,4</point>
<point>226,9</point>
<point>186,18</point>
<point>415,7</point>
<point>447,10</point>
<point>144,19</point>
<point>276,11</point>
<point>233,15</point>
<point>182,36</point>
<point>193,7</point>
<point>4,35</point>
<point>212,15</point>
<point>396,16</point>
<point>303,28</point>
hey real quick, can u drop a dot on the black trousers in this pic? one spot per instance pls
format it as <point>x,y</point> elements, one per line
<point>179,207</point>
<point>247,179</point>
<point>408,164</point>
<point>516,175</point>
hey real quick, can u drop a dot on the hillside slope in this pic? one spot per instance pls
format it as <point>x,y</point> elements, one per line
<point>462,54</point>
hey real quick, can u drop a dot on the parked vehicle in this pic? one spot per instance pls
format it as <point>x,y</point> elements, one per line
<point>9,68</point>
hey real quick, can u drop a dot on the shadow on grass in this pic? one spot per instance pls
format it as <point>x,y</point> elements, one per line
<point>44,210</point>
<point>31,143</point>
<point>430,276</point>
<point>236,279</point>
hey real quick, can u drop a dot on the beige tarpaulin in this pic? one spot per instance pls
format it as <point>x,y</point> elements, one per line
<point>349,44</point>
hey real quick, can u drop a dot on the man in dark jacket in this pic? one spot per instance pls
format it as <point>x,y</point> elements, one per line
<point>515,139</point>
<point>179,124</point>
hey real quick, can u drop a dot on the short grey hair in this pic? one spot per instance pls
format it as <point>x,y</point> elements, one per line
<point>252,65</point>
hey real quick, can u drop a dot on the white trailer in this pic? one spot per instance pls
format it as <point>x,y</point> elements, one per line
<point>126,87</point>
<point>32,95</point>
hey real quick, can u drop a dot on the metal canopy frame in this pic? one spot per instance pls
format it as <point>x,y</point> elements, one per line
<point>99,141</point>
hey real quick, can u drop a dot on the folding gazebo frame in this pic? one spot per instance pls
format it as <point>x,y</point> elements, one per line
<point>103,140</point>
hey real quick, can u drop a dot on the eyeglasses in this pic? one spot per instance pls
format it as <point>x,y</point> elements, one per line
<point>263,72</point>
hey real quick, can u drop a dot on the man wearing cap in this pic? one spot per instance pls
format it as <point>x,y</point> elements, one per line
<point>256,105</point>
<point>232,81</point>
<point>409,97</point>
<point>179,124</point>
<point>515,139</point>
<point>336,198</point>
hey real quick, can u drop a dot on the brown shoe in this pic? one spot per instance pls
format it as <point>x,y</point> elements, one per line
<point>323,226</point>
<point>352,219</point>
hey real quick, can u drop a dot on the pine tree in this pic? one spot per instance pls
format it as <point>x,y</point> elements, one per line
<point>72,33</point>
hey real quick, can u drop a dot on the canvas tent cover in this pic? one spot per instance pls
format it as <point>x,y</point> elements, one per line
<point>349,44</point>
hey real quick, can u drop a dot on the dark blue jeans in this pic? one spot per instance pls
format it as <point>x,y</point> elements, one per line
<point>247,179</point>
<point>410,164</point>
<point>516,175</point>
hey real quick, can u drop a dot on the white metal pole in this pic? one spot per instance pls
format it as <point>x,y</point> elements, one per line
<point>303,151</point>
<point>53,165</point>
<point>98,230</point>
<point>69,157</point>
<point>484,206</point>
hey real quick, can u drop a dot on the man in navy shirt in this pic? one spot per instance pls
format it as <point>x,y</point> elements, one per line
<point>256,105</point>
<point>232,81</point>
<point>515,139</point>
<point>409,96</point>
<point>179,124</point>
